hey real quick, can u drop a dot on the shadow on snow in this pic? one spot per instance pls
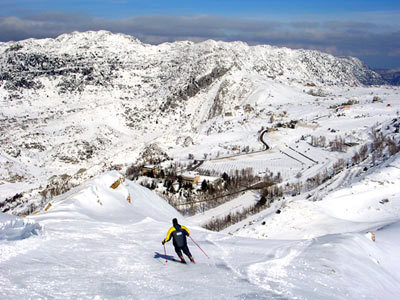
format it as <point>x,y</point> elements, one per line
<point>158,255</point>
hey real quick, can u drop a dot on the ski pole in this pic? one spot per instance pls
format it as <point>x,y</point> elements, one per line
<point>165,253</point>
<point>199,246</point>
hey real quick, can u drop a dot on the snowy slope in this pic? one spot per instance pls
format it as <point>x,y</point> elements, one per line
<point>371,202</point>
<point>112,250</point>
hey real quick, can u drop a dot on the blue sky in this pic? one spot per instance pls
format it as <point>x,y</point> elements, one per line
<point>366,29</point>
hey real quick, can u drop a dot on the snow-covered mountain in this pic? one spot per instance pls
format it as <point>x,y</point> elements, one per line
<point>83,103</point>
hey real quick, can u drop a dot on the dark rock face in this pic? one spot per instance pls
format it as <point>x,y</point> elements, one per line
<point>25,70</point>
<point>196,86</point>
<point>217,107</point>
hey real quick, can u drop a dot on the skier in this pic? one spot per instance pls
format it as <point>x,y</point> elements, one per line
<point>178,233</point>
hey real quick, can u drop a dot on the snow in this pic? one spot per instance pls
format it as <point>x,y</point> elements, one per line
<point>272,160</point>
<point>16,228</point>
<point>245,200</point>
<point>369,204</point>
<point>112,250</point>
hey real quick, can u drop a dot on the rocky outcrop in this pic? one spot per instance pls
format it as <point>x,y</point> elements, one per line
<point>218,104</point>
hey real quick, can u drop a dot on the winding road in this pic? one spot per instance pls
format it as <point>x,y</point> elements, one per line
<point>262,139</point>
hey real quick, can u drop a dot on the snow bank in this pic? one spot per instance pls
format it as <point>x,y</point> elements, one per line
<point>340,266</point>
<point>109,197</point>
<point>367,205</point>
<point>15,228</point>
<point>375,197</point>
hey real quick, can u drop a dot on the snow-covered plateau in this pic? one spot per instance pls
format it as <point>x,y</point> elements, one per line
<point>80,112</point>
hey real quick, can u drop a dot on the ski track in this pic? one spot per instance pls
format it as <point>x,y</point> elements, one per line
<point>272,275</point>
<point>112,256</point>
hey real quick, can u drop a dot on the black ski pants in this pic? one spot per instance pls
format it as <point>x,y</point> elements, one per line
<point>185,250</point>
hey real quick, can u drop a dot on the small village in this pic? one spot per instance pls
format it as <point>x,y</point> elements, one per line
<point>181,187</point>
<point>186,179</point>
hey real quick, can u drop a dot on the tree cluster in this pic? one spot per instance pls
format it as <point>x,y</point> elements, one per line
<point>219,224</point>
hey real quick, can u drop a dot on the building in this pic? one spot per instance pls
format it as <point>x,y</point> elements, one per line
<point>190,178</point>
<point>211,180</point>
<point>149,170</point>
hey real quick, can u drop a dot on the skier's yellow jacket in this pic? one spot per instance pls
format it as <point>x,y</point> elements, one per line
<point>178,233</point>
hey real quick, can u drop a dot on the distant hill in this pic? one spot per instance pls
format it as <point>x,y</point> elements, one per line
<point>392,76</point>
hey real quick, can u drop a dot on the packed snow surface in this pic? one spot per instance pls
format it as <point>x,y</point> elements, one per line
<point>98,242</point>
